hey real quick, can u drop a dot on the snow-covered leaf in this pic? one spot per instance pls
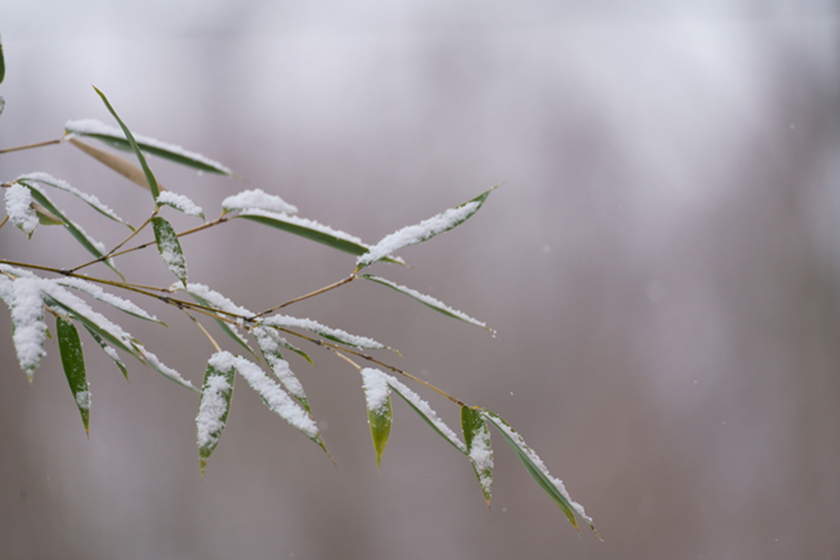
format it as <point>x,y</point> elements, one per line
<point>257,199</point>
<point>536,468</point>
<point>379,410</point>
<point>210,298</point>
<point>127,136</point>
<point>428,301</point>
<point>425,412</point>
<point>94,247</point>
<point>269,342</point>
<point>214,406</point>
<point>25,300</point>
<point>411,235</point>
<point>310,229</point>
<point>89,199</point>
<point>124,305</point>
<point>45,217</point>
<point>181,203</point>
<point>477,438</point>
<point>113,161</point>
<point>117,139</point>
<point>19,208</point>
<point>169,248</point>
<point>73,361</point>
<point>336,335</point>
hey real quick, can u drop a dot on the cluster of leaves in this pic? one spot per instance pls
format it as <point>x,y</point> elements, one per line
<point>31,298</point>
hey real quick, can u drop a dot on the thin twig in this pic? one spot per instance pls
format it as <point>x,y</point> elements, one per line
<point>307,296</point>
<point>207,334</point>
<point>30,146</point>
<point>3,223</point>
<point>120,244</point>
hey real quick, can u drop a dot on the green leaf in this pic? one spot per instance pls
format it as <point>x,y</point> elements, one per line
<point>379,410</point>
<point>150,178</point>
<point>228,329</point>
<point>91,245</point>
<point>425,412</point>
<point>269,343</point>
<point>176,154</point>
<point>425,230</point>
<point>45,217</point>
<point>335,335</point>
<point>169,248</point>
<point>2,63</point>
<point>213,408</point>
<point>311,230</point>
<point>428,301</point>
<point>109,351</point>
<point>73,361</point>
<point>477,438</point>
<point>535,467</point>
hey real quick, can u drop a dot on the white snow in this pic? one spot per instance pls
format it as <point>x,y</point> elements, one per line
<point>377,391</point>
<point>19,208</point>
<point>214,405</point>
<point>83,400</point>
<point>180,202</point>
<point>304,223</point>
<point>429,300</point>
<point>410,235</point>
<point>99,246</point>
<point>267,340</point>
<point>103,296</point>
<point>156,364</point>
<point>257,199</point>
<point>426,410</point>
<point>93,126</point>
<point>481,454</point>
<point>170,252</point>
<point>217,300</point>
<point>274,396</point>
<point>23,296</point>
<point>323,330</point>
<point>92,200</point>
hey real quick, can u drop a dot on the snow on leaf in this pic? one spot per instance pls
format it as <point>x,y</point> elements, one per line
<point>336,335</point>
<point>269,342</point>
<point>169,248</point>
<point>91,200</point>
<point>19,208</point>
<point>116,138</point>
<point>25,300</point>
<point>210,298</point>
<point>96,292</point>
<point>479,450</point>
<point>152,361</point>
<point>73,362</point>
<point>380,413</point>
<point>411,235</point>
<point>181,203</point>
<point>213,409</point>
<point>257,199</point>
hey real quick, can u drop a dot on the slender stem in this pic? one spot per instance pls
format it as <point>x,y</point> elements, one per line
<point>307,296</point>
<point>217,221</point>
<point>120,244</point>
<point>30,146</point>
<point>3,223</point>
<point>207,334</point>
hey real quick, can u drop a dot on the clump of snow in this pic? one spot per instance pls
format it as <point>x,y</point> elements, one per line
<point>411,235</point>
<point>267,340</point>
<point>287,321</point>
<point>93,127</point>
<point>377,391</point>
<point>304,223</point>
<point>180,202</point>
<point>169,248</point>
<point>215,396</point>
<point>257,199</point>
<point>103,296</point>
<point>19,208</point>
<point>481,454</point>
<point>217,300</point>
<point>23,296</point>
<point>83,400</point>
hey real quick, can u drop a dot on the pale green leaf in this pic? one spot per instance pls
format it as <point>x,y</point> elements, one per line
<point>170,248</point>
<point>73,361</point>
<point>479,450</point>
<point>379,410</point>
<point>270,342</point>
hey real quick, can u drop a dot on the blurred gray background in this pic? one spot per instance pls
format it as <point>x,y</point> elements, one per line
<point>662,266</point>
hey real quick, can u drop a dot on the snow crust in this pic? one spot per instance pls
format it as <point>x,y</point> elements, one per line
<point>92,200</point>
<point>95,127</point>
<point>410,235</point>
<point>257,199</point>
<point>316,327</point>
<point>268,341</point>
<point>19,208</point>
<point>214,405</point>
<point>23,296</point>
<point>181,203</point>
<point>304,223</point>
<point>83,400</point>
<point>103,296</point>
<point>377,391</point>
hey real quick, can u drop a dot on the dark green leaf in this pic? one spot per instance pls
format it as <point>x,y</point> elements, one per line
<point>150,178</point>
<point>477,438</point>
<point>169,248</point>
<point>213,409</point>
<point>2,63</point>
<point>73,361</point>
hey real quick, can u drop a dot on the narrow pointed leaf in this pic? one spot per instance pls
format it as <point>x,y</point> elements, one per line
<point>310,229</point>
<point>411,235</point>
<point>73,361</point>
<point>99,294</point>
<point>379,410</point>
<point>169,248</point>
<point>2,63</point>
<point>92,246</point>
<point>19,208</point>
<point>214,406</point>
<point>116,163</point>
<point>25,300</point>
<point>227,328</point>
<point>109,351</point>
<point>45,217</point>
<point>269,342</point>
<point>150,178</point>
<point>428,301</point>
<point>477,438</point>
<point>535,467</point>
<point>336,335</point>
<point>94,129</point>
<point>425,412</point>
<point>89,199</point>
<point>180,203</point>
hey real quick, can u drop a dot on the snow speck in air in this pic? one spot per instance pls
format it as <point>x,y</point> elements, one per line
<point>256,198</point>
<point>375,384</point>
<point>19,208</point>
<point>93,127</point>
<point>410,235</point>
<point>180,202</point>
<point>546,249</point>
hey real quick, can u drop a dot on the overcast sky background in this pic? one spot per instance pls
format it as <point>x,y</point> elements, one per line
<point>662,266</point>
